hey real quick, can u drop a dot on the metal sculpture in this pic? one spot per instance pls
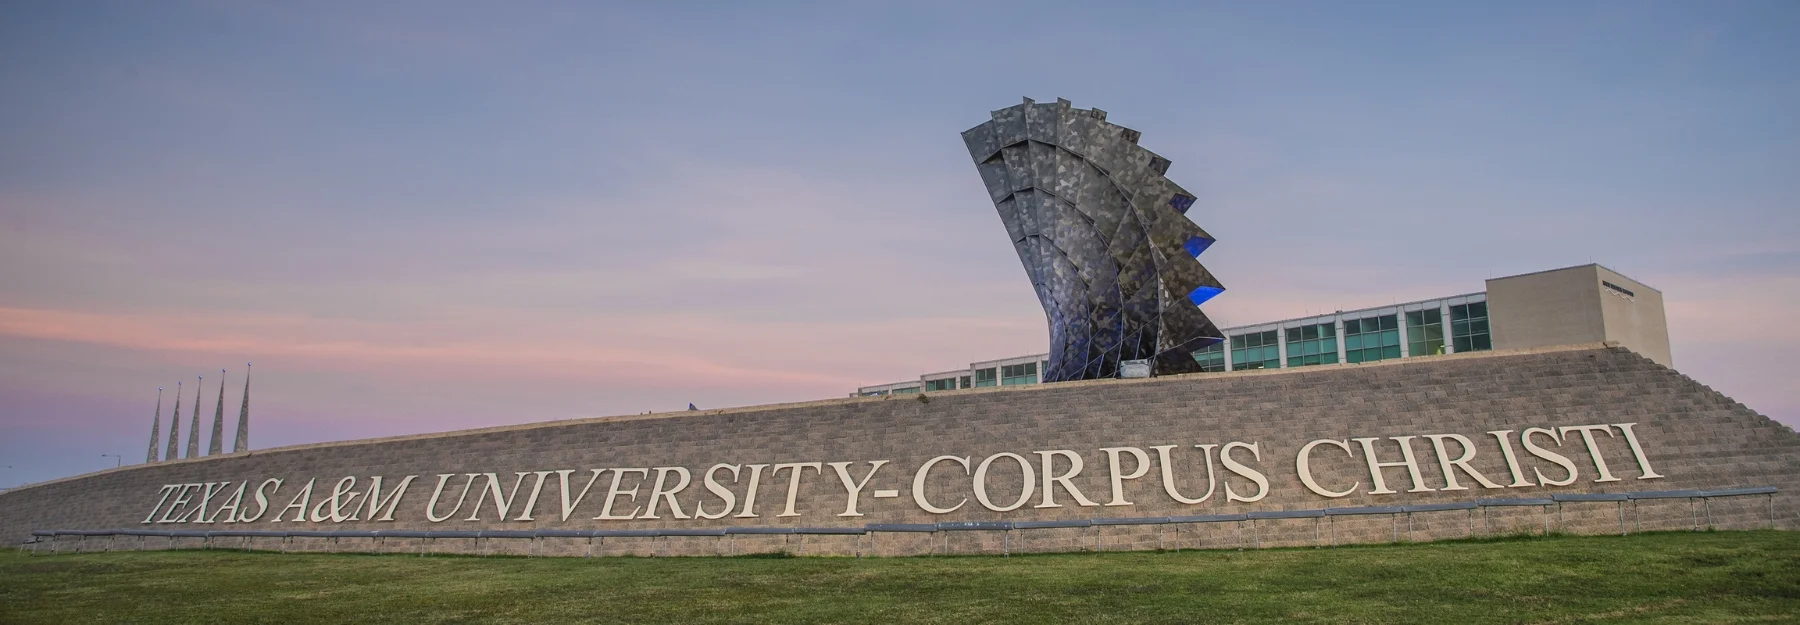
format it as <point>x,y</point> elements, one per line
<point>1104,237</point>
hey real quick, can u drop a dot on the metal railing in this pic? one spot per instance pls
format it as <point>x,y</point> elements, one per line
<point>1012,532</point>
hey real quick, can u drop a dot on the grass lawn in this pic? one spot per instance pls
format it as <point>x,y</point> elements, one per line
<point>1676,577</point>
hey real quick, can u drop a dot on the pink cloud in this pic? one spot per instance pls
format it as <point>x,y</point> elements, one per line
<point>653,350</point>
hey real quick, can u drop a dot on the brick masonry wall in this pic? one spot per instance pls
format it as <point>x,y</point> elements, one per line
<point>1695,437</point>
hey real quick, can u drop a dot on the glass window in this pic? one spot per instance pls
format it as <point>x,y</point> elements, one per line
<point>1425,332</point>
<point>1312,345</point>
<point>910,390</point>
<point>966,383</point>
<point>1469,327</point>
<point>985,377</point>
<point>946,384</point>
<point>1257,350</point>
<point>1211,357</point>
<point>1019,374</point>
<point>1372,339</point>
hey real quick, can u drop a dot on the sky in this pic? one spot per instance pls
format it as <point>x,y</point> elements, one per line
<point>419,217</point>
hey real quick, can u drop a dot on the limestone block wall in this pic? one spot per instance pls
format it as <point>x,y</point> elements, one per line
<point>1241,428</point>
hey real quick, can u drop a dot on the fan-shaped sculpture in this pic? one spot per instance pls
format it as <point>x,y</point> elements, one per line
<point>1104,237</point>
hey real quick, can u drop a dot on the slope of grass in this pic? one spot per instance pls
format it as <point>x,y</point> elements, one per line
<point>1668,577</point>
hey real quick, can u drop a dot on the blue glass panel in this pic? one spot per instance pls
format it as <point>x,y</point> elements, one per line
<point>1181,203</point>
<point>1196,245</point>
<point>1200,295</point>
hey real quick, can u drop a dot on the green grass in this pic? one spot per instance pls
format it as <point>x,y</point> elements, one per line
<point>1676,577</point>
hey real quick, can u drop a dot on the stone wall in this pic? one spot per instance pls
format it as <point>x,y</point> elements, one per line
<point>1692,436</point>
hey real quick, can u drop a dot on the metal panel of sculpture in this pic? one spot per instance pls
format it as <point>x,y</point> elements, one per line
<point>1103,236</point>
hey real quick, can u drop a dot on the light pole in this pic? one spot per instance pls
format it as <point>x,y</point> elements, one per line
<point>117,460</point>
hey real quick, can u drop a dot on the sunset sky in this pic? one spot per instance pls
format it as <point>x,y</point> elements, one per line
<point>431,216</point>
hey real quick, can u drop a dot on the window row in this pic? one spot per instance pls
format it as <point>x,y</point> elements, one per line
<point>1425,332</point>
<point>1211,357</point>
<point>1019,374</point>
<point>1256,350</point>
<point>1469,327</point>
<point>1312,345</point>
<point>947,384</point>
<point>1371,339</point>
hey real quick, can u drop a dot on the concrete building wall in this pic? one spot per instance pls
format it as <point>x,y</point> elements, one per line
<point>1556,307</point>
<point>1573,305</point>
<point>1634,317</point>
<point>1689,436</point>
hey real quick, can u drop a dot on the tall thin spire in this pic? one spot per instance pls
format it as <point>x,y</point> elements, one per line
<point>194,425</point>
<point>175,428</point>
<point>243,433</point>
<point>212,449</point>
<point>155,428</point>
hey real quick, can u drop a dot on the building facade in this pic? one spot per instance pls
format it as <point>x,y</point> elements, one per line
<point>1582,304</point>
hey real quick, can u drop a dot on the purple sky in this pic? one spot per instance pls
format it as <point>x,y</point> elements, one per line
<point>423,217</point>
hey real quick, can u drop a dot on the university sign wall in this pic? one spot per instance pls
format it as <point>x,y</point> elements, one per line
<point>1460,428</point>
<point>1045,479</point>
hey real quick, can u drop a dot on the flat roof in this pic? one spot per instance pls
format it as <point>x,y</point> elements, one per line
<point>1620,273</point>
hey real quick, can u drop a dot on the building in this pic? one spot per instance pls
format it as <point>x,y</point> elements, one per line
<point>1582,304</point>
